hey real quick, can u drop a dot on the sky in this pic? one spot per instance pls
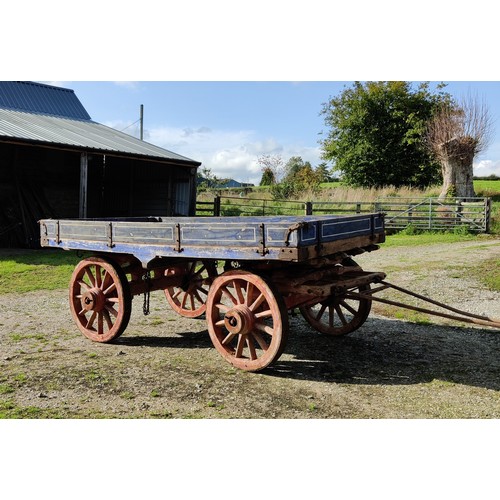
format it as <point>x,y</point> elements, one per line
<point>228,125</point>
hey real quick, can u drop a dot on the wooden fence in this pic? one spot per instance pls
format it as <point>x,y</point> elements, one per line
<point>432,214</point>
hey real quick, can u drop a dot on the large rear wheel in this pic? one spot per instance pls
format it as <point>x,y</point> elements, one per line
<point>247,320</point>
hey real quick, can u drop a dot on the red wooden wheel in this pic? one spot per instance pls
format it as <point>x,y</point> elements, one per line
<point>190,298</point>
<point>100,299</point>
<point>247,320</point>
<point>338,315</point>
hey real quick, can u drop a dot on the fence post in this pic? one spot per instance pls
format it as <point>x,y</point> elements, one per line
<point>309,208</point>
<point>487,214</point>
<point>217,206</point>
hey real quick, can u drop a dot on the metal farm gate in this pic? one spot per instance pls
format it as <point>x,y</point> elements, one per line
<point>431,214</point>
<point>435,214</point>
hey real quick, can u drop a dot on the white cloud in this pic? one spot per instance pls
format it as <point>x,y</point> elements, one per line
<point>227,153</point>
<point>485,168</point>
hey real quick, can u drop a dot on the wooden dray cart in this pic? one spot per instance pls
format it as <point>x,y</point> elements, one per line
<point>243,273</point>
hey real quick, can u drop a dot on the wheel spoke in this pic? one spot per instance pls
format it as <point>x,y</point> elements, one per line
<point>199,272</point>
<point>112,310</point>
<point>239,347</point>
<point>341,314</point>
<point>230,295</point>
<point>257,302</point>
<point>191,300</point>
<point>260,340</point>
<point>177,293</point>
<point>110,288</point>
<point>222,308</point>
<point>262,327</point>
<point>100,323</point>
<point>98,276</point>
<point>88,272</point>
<point>251,347</point>
<point>239,292</point>
<point>320,312</point>
<point>264,314</point>
<point>228,338</point>
<point>90,322</point>
<point>183,301</point>
<point>82,283</point>
<point>250,289</point>
<point>105,279</point>
<point>107,318</point>
<point>331,315</point>
<point>345,305</point>
<point>196,295</point>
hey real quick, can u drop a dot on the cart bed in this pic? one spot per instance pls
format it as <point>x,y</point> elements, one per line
<point>285,238</point>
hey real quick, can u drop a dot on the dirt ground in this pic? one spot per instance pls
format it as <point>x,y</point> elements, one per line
<point>164,366</point>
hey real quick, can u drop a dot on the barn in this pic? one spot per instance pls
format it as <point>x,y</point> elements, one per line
<point>55,161</point>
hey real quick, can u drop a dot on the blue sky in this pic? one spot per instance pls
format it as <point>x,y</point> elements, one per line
<point>228,125</point>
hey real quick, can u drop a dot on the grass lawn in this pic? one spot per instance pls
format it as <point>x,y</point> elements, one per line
<point>29,270</point>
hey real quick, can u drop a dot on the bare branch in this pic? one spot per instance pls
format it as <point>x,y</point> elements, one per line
<point>460,129</point>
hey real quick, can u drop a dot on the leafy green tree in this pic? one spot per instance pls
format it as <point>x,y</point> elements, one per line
<point>323,173</point>
<point>293,166</point>
<point>206,179</point>
<point>298,176</point>
<point>268,178</point>
<point>377,133</point>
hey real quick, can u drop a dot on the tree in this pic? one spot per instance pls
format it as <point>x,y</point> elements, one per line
<point>267,177</point>
<point>293,166</point>
<point>323,172</point>
<point>273,164</point>
<point>458,132</point>
<point>377,134</point>
<point>296,176</point>
<point>206,179</point>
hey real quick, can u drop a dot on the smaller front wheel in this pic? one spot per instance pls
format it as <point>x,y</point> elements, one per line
<point>338,315</point>
<point>100,299</point>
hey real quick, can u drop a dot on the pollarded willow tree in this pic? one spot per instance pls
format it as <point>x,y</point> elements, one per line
<point>458,132</point>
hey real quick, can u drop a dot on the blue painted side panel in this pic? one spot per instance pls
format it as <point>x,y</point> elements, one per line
<point>221,238</point>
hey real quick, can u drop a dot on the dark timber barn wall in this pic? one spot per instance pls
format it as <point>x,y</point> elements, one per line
<point>40,179</point>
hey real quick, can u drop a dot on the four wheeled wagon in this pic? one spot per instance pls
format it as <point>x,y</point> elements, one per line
<point>243,273</point>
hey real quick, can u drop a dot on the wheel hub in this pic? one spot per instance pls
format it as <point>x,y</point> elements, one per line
<point>93,300</point>
<point>239,320</point>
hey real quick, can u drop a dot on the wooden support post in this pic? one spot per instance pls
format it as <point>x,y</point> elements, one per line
<point>84,166</point>
<point>217,206</point>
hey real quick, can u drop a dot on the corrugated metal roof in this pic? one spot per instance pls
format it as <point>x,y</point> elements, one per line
<point>34,97</point>
<point>82,135</point>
